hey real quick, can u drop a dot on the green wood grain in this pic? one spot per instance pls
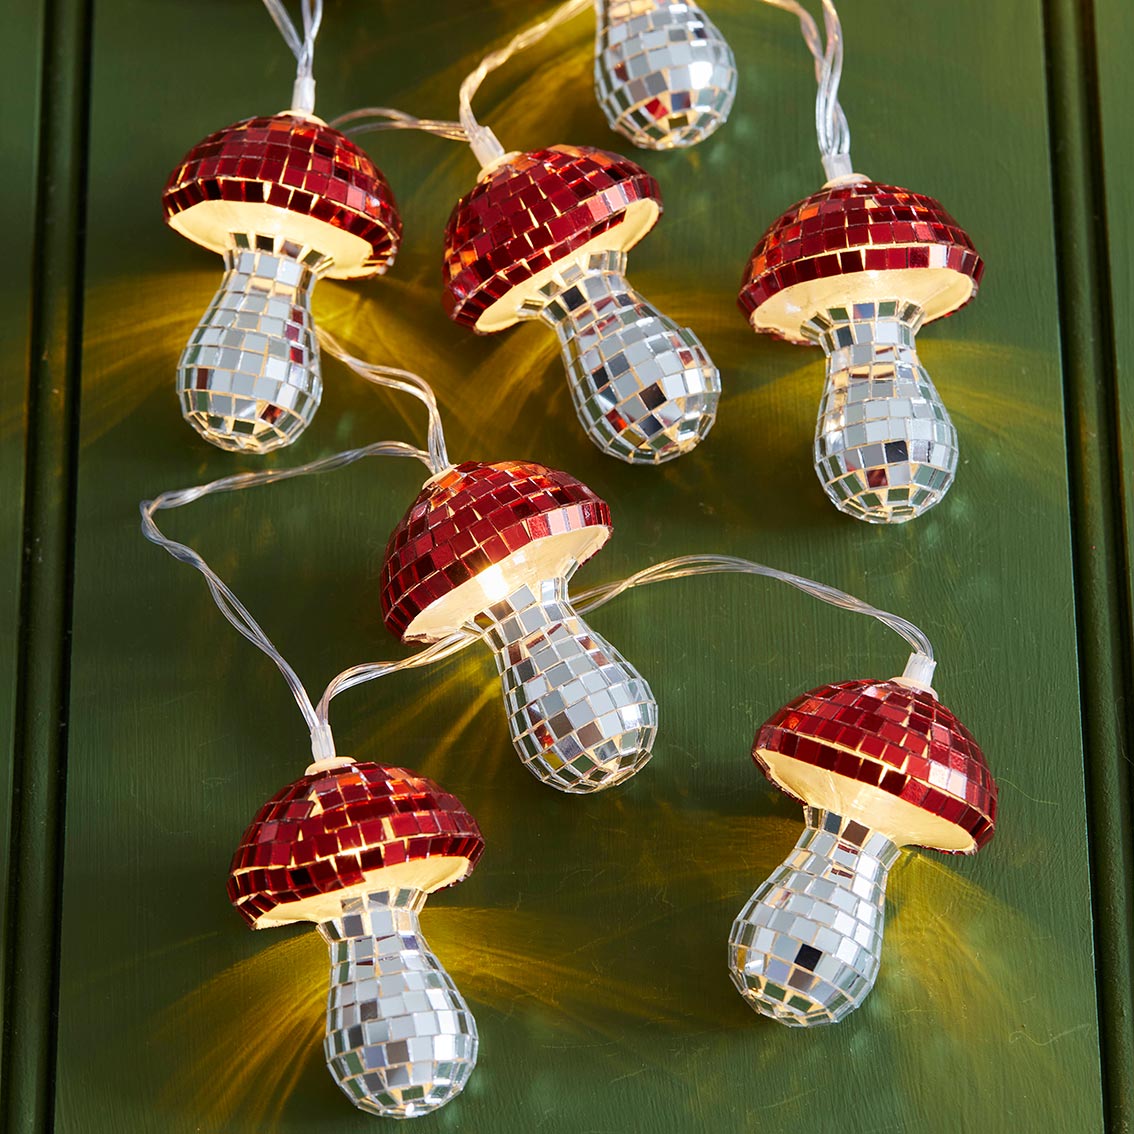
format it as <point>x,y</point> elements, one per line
<point>19,90</point>
<point>52,310</point>
<point>591,941</point>
<point>1107,423</point>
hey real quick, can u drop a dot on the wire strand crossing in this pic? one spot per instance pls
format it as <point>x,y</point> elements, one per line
<point>303,48</point>
<point>322,742</point>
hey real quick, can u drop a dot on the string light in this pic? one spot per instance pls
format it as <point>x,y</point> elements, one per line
<point>857,269</point>
<point>489,549</point>
<point>544,235</point>
<point>485,553</point>
<point>878,765</point>
<point>665,76</point>
<point>285,200</point>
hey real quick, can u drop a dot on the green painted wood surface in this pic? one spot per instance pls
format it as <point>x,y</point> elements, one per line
<point>18,135</point>
<point>591,940</point>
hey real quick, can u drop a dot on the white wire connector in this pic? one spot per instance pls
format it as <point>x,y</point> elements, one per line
<point>485,145</point>
<point>303,90</point>
<point>830,122</point>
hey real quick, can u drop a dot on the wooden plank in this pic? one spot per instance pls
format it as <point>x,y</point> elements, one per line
<point>19,127</point>
<point>1106,424</point>
<point>591,941</point>
<point>43,639</point>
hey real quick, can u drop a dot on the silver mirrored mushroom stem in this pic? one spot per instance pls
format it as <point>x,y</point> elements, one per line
<point>805,949</point>
<point>665,77</point>
<point>644,388</point>
<point>885,447</point>
<point>249,377</point>
<point>400,1039</point>
<point>581,716</point>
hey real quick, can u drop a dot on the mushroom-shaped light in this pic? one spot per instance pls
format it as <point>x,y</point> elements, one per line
<point>544,235</point>
<point>665,77</point>
<point>490,548</point>
<point>878,765</point>
<point>356,848</point>
<point>858,268</point>
<point>285,200</point>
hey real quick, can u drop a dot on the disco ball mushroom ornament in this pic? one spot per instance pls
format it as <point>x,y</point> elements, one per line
<point>878,765</point>
<point>544,235</point>
<point>858,268</point>
<point>491,548</point>
<point>665,77</point>
<point>356,848</point>
<point>285,200</point>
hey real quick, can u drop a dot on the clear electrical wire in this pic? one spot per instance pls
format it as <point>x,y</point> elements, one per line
<point>302,47</point>
<point>830,122</point>
<point>485,145</point>
<point>920,665</point>
<point>322,743</point>
<point>370,119</point>
<point>405,381</point>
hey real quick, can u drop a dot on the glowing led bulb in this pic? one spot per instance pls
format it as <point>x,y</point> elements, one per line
<point>544,235</point>
<point>286,200</point>
<point>356,848</point>
<point>491,548</point>
<point>665,77</point>
<point>879,765</point>
<point>857,268</point>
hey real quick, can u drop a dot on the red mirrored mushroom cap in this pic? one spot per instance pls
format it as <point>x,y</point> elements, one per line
<point>898,244</point>
<point>292,177</point>
<point>532,212</point>
<point>527,521</point>
<point>925,778</point>
<point>352,829</point>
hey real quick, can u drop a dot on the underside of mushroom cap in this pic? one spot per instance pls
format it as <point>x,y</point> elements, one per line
<point>477,532</point>
<point>887,754</point>
<point>857,242</point>
<point>292,177</point>
<point>348,831</point>
<point>531,214</point>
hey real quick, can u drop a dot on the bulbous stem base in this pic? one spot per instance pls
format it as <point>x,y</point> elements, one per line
<point>249,378</point>
<point>665,77</point>
<point>885,448</point>
<point>582,718</point>
<point>400,1039</point>
<point>805,949</point>
<point>644,388</point>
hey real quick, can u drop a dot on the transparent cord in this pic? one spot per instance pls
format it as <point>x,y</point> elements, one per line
<point>405,381</point>
<point>303,48</point>
<point>322,742</point>
<point>485,145</point>
<point>830,121</point>
<point>919,668</point>
<point>370,119</point>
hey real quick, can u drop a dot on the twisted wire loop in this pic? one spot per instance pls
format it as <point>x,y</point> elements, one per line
<point>831,124</point>
<point>407,383</point>
<point>322,742</point>
<point>485,145</point>
<point>302,47</point>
